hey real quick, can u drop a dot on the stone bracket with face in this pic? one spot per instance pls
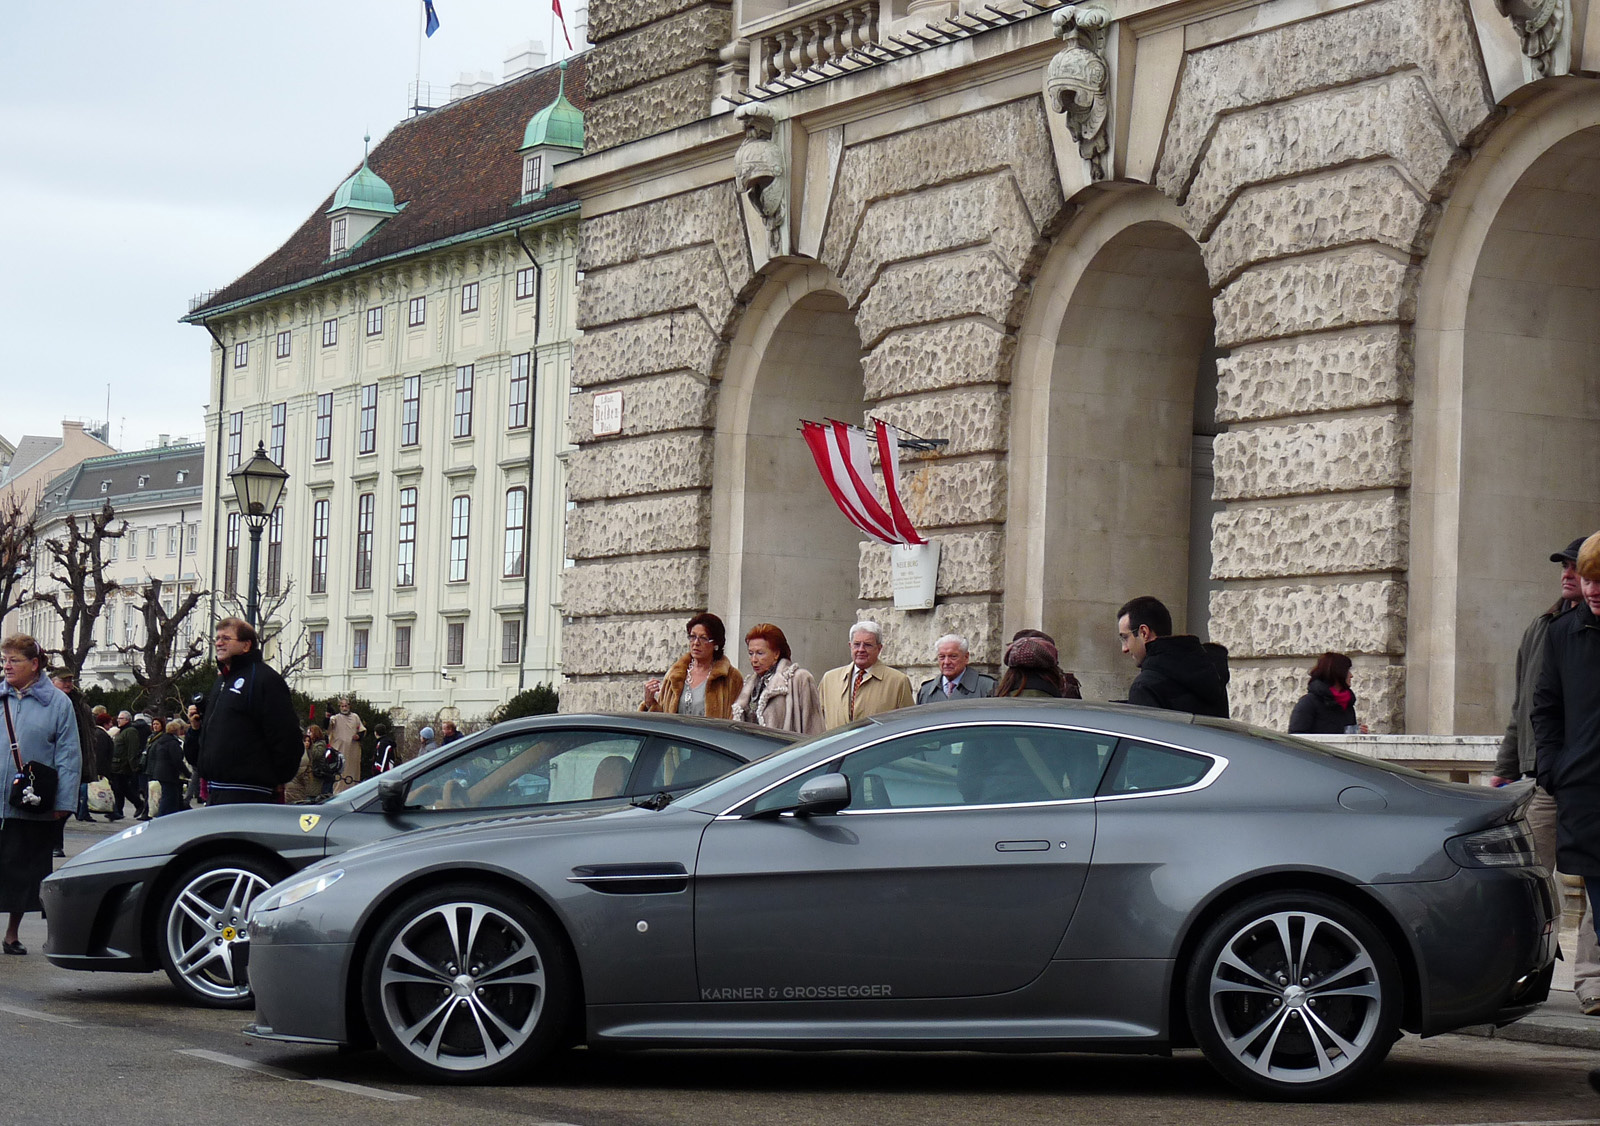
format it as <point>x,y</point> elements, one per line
<point>1077,83</point>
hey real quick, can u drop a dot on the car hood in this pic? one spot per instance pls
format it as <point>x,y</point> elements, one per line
<point>162,835</point>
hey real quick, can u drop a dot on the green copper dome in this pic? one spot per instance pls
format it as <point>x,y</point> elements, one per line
<point>365,191</point>
<point>560,123</point>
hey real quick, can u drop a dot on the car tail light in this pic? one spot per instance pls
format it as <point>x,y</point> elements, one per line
<point>1504,846</point>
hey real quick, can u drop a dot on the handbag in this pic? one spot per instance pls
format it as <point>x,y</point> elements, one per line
<point>34,786</point>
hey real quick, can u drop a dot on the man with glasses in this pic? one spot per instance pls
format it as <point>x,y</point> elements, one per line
<point>1175,672</point>
<point>865,686</point>
<point>250,742</point>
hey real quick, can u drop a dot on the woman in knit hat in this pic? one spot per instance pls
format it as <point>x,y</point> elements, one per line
<point>1032,669</point>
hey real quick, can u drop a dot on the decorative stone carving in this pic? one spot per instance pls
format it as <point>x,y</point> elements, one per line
<point>1542,27</point>
<point>762,171</point>
<point>1077,83</point>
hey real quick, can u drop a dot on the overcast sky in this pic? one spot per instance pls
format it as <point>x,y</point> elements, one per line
<point>154,151</point>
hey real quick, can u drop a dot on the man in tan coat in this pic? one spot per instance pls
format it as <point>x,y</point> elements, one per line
<point>344,735</point>
<point>863,687</point>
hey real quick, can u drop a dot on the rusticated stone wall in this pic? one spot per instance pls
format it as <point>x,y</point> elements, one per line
<point>1314,184</point>
<point>652,66</point>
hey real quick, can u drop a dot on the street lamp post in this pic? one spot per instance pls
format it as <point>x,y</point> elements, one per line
<point>258,484</point>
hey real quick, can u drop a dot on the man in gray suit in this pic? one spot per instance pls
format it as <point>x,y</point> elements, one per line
<point>955,680</point>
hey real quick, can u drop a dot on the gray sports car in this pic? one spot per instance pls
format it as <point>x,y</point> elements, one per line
<point>174,892</point>
<point>1002,875</point>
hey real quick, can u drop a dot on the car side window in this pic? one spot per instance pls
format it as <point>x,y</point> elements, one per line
<point>534,769</point>
<point>962,766</point>
<point>1141,768</point>
<point>670,764</point>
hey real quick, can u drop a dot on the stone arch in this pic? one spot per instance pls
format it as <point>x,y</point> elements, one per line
<point>1504,472</point>
<point>1109,358</point>
<point>781,552</point>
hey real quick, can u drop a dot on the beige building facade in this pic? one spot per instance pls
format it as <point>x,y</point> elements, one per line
<point>1283,312</point>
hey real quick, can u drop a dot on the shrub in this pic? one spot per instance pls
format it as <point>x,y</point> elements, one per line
<point>541,699</point>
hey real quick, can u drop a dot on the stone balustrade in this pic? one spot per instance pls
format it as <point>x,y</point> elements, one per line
<point>820,36</point>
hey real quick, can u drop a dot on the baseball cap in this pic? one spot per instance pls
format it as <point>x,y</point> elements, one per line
<point>1570,554</point>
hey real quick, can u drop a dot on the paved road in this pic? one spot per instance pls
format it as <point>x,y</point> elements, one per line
<point>120,1049</point>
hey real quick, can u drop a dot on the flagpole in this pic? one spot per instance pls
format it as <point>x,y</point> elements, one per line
<point>416,91</point>
<point>552,31</point>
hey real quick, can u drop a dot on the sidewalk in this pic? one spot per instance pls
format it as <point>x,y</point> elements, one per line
<point>1558,1021</point>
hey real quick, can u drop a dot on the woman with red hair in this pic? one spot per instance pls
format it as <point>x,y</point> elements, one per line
<point>779,694</point>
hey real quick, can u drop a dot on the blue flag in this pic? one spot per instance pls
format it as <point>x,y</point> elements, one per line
<point>433,16</point>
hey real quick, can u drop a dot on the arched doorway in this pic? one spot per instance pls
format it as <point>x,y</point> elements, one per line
<point>1508,410</point>
<point>1110,466</point>
<point>790,558</point>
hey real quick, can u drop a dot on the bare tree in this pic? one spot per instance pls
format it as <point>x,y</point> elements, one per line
<point>78,567</point>
<point>165,657</point>
<point>18,533</point>
<point>275,626</point>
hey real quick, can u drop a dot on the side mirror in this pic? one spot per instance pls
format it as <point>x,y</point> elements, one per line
<point>392,794</point>
<point>827,793</point>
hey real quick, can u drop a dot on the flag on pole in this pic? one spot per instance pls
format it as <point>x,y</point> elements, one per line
<point>844,458</point>
<point>563,19</point>
<point>432,17</point>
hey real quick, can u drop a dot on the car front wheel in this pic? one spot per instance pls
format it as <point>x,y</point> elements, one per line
<point>201,923</point>
<point>1294,995</point>
<point>467,985</point>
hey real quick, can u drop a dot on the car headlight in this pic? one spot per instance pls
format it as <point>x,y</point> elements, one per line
<point>286,895</point>
<point>1504,846</point>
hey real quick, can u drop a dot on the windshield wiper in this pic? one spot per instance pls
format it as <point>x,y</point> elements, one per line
<point>658,800</point>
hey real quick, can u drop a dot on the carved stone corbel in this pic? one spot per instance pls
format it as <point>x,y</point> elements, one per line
<point>1077,83</point>
<point>761,170</point>
<point>1542,25</point>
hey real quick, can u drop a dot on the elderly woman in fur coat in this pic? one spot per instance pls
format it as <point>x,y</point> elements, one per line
<point>702,681</point>
<point>779,694</point>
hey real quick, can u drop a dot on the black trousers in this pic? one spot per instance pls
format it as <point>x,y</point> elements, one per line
<point>125,786</point>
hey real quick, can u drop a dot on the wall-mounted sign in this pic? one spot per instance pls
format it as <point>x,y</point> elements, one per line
<point>607,413</point>
<point>916,574</point>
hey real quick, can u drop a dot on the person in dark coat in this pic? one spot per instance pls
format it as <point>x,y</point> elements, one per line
<point>250,742</point>
<point>1329,706</point>
<point>164,764</point>
<point>1032,669</point>
<point>1175,671</point>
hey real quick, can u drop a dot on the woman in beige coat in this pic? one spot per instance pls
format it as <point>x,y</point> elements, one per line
<point>779,694</point>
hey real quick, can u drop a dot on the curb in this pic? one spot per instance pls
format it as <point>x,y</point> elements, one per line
<point>1558,1022</point>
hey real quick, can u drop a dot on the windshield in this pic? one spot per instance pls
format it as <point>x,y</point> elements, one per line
<point>713,794</point>
<point>362,791</point>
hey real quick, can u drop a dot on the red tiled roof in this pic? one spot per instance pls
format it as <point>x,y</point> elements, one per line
<point>456,169</point>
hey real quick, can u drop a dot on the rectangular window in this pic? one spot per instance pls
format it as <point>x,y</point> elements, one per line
<point>314,648</point>
<point>416,311</point>
<point>406,557</point>
<point>469,297</point>
<point>410,409</point>
<point>525,282</point>
<point>375,321</point>
<point>402,647</point>
<point>455,642</point>
<point>460,526</point>
<point>241,354</point>
<point>230,560</point>
<point>275,436</point>
<point>339,239</point>
<point>111,557</point>
<point>517,402</point>
<point>461,427</point>
<point>358,647</point>
<point>150,545</point>
<point>194,541</point>
<point>324,451</point>
<point>235,440</point>
<point>367,439</point>
<point>330,332</point>
<point>532,167</point>
<point>364,512</point>
<point>319,547</point>
<point>516,530</point>
<point>174,537</point>
<point>510,641</point>
<point>275,551</point>
<point>283,345</point>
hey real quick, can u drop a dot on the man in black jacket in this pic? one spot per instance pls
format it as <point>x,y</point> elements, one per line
<point>250,743</point>
<point>1175,671</point>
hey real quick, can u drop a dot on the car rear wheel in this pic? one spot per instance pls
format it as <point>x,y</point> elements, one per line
<point>1294,995</point>
<point>467,985</point>
<point>201,923</point>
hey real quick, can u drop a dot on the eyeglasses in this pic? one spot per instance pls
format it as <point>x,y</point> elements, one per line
<point>15,662</point>
<point>700,637</point>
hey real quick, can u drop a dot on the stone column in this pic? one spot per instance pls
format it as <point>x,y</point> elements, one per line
<point>1313,181</point>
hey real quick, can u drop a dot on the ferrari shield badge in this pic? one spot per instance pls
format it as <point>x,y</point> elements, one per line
<point>308,821</point>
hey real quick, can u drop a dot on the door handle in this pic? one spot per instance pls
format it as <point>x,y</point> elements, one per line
<point>1022,846</point>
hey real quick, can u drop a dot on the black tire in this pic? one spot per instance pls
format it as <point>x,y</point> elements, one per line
<point>454,1013</point>
<point>1294,995</point>
<point>201,919</point>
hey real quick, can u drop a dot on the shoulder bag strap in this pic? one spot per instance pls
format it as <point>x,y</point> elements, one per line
<point>16,751</point>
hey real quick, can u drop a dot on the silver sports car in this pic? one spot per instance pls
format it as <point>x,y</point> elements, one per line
<point>991,875</point>
<point>174,892</point>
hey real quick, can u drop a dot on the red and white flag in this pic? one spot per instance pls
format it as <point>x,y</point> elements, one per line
<point>844,458</point>
<point>563,19</point>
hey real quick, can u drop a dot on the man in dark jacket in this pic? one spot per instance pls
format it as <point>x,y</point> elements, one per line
<point>250,742</point>
<point>1175,671</point>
